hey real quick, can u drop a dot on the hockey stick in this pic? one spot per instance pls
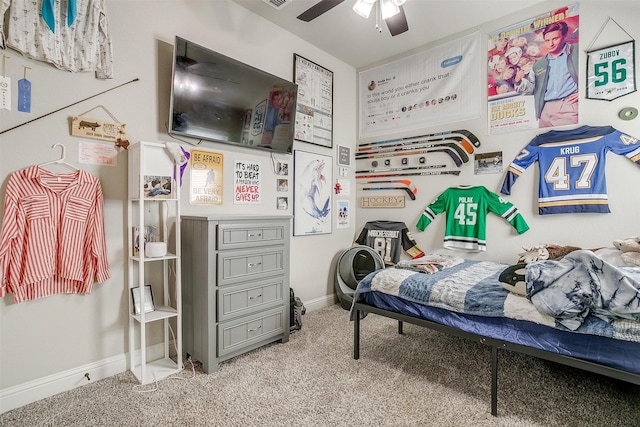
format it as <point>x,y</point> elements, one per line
<point>465,144</point>
<point>406,182</point>
<point>470,137</point>
<point>461,153</point>
<point>408,174</point>
<point>458,160</point>
<point>462,133</point>
<point>416,141</point>
<point>402,169</point>
<point>409,192</point>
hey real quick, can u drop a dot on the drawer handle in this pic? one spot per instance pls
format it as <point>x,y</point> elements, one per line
<point>256,297</point>
<point>255,235</point>
<point>255,329</point>
<point>253,264</point>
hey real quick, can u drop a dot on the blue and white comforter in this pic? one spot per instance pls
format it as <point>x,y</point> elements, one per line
<point>582,284</point>
<point>473,288</point>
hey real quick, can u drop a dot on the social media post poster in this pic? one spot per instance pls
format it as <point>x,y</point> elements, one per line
<point>433,87</point>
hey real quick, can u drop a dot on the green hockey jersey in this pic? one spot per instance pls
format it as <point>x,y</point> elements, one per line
<point>467,208</point>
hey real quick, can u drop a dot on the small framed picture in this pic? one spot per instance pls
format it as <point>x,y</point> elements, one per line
<point>283,168</point>
<point>283,203</point>
<point>148,299</point>
<point>157,187</point>
<point>283,185</point>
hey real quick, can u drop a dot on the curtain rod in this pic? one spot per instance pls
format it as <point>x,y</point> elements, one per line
<point>67,106</point>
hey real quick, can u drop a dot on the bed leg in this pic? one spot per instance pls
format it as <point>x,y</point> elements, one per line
<point>494,381</point>
<point>400,327</point>
<point>356,335</point>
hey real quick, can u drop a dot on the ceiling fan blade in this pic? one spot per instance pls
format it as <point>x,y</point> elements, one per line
<point>318,9</point>
<point>397,24</point>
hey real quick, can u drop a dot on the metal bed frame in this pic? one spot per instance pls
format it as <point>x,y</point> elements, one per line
<point>361,307</point>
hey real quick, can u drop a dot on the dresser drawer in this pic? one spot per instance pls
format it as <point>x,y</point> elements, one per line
<point>238,235</point>
<point>237,266</point>
<point>242,300</point>
<point>234,335</point>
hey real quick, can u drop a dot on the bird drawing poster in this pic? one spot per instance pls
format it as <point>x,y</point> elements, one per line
<point>312,193</point>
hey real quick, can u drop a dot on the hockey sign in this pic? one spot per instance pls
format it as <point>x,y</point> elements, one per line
<point>611,72</point>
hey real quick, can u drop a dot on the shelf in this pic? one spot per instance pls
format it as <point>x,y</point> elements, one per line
<point>157,258</point>
<point>154,200</point>
<point>156,370</point>
<point>151,333</point>
<point>159,313</point>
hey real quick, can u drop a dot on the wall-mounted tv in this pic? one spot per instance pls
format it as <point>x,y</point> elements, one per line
<point>217,98</point>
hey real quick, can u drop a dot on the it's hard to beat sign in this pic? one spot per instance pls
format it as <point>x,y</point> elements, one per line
<point>247,182</point>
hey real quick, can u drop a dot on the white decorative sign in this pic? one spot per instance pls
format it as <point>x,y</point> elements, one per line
<point>247,186</point>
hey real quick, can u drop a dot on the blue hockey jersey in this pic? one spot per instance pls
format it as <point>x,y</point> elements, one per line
<point>572,167</point>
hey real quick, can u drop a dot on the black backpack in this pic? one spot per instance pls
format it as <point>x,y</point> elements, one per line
<point>297,309</point>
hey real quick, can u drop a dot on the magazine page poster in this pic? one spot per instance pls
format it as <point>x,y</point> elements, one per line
<point>343,213</point>
<point>247,185</point>
<point>433,87</point>
<point>533,73</point>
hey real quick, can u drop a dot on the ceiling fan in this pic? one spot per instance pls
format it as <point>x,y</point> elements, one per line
<point>390,11</point>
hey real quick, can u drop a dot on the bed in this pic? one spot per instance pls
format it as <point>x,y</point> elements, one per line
<point>466,299</point>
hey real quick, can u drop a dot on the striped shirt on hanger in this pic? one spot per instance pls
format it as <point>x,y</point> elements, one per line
<point>53,238</point>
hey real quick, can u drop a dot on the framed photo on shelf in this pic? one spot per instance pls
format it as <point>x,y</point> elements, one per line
<point>157,187</point>
<point>148,299</point>
<point>314,111</point>
<point>150,234</point>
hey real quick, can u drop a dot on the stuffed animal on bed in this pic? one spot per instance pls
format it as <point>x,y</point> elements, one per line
<point>625,253</point>
<point>544,251</point>
<point>512,278</point>
<point>630,248</point>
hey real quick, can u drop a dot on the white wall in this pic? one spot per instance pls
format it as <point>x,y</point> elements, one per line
<point>60,334</point>
<point>583,230</point>
<point>46,345</point>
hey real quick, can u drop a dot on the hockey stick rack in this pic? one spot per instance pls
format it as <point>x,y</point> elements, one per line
<point>458,145</point>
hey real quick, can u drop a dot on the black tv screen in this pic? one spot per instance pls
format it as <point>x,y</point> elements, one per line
<point>217,98</point>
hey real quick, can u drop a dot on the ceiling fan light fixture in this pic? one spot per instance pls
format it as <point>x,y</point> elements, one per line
<point>388,8</point>
<point>363,7</point>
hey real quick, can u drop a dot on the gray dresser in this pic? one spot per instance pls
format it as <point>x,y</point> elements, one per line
<point>235,285</point>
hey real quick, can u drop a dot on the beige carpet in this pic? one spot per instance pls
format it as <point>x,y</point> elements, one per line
<point>422,378</point>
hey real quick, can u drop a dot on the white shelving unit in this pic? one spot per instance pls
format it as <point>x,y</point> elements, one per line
<point>155,337</point>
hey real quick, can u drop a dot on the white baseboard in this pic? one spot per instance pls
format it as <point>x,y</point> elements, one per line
<point>32,391</point>
<point>322,302</point>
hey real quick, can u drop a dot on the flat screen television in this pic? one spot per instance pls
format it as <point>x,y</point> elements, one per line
<point>217,98</point>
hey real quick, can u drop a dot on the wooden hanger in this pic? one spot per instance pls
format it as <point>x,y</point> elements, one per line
<point>61,160</point>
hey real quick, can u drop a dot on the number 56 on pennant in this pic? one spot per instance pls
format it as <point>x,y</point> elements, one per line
<point>611,72</point>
